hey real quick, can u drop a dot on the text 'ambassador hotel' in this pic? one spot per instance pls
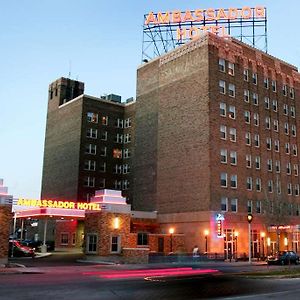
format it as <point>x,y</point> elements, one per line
<point>216,136</point>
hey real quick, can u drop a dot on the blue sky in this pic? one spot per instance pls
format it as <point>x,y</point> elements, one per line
<point>102,41</point>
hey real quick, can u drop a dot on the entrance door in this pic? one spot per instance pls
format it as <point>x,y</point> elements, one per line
<point>229,244</point>
<point>161,244</point>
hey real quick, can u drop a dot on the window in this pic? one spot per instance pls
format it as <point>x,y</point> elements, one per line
<point>90,165</point>
<point>126,153</point>
<point>234,204</point>
<point>104,120</point>
<point>233,181</point>
<point>222,87</point>
<point>117,153</point>
<point>289,189</point>
<point>249,206</point>
<point>288,168</point>
<point>73,238</point>
<point>125,184</point>
<point>232,134</point>
<point>248,138</point>
<point>64,238</point>
<point>258,207</point>
<point>277,166</point>
<point>255,98</point>
<point>293,112</point>
<point>267,103</point>
<point>256,119</point>
<point>274,105</point>
<point>103,151</point>
<point>142,239</point>
<point>269,143</point>
<point>276,145</point>
<point>91,133</point>
<point>249,183</point>
<point>295,150</point>
<point>256,140</point>
<point>92,243</point>
<point>223,179</point>
<point>103,135</point>
<point>292,93</point>
<point>102,183</point>
<point>127,123</point>
<point>89,181</point>
<point>247,116</point>
<point>231,112</point>
<point>248,161</point>
<point>284,90</point>
<point>246,95</point>
<point>269,165</point>
<point>275,123</point>
<point>278,185</point>
<point>268,123</point>
<point>127,138</point>
<point>287,148</point>
<point>223,154</point>
<point>90,149</point>
<point>92,117</point>
<point>254,78</point>
<point>233,158</point>
<point>270,186</point>
<point>118,169</point>
<point>102,168</point>
<point>231,68</point>
<point>285,109</point>
<point>274,86</point>
<point>118,184</point>
<point>224,203</point>
<point>266,83</point>
<point>296,189</point>
<point>231,90</point>
<point>294,133</point>
<point>223,132</point>
<point>286,128</point>
<point>119,138</point>
<point>119,123</point>
<point>246,74</point>
<point>115,246</point>
<point>257,162</point>
<point>258,184</point>
<point>126,169</point>
<point>296,170</point>
<point>221,64</point>
<point>222,109</point>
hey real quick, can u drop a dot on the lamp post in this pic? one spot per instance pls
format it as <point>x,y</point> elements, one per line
<point>206,233</point>
<point>236,234</point>
<point>263,234</point>
<point>171,231</point>
<point>249,218</point>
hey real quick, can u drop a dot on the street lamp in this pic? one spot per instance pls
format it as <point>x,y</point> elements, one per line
<point>263,234</point>
<point>236,234</point>
<point>249,219</point>
<point>171,231</point>
<point>206,233</point>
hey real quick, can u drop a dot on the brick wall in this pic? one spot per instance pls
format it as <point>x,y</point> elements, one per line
<point>5,221</point>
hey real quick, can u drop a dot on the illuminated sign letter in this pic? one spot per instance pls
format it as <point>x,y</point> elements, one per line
<point>181,33</point>
<point>150,19</point>
<point>246,12</point>
<point>161,18</point>
<point>188,16</point>
<point>221,14</point>
<point>233,13</point>
<point>210,13</point>
<point>199,15</point>
<point>176,16</point>
<point>259,12</point>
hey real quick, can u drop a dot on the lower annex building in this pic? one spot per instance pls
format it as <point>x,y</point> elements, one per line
<point>213,136</point>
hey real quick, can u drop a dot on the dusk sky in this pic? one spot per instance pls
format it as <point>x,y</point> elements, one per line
<point>100,43</point>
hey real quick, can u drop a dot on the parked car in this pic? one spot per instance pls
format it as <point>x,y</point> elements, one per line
<point>283,258</point>
<point>36,245</point>
<point>17,249</point>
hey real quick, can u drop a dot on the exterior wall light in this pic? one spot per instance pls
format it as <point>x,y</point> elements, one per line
<point>116,223</point>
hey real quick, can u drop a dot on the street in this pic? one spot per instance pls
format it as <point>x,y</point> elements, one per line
<point>60,277</point>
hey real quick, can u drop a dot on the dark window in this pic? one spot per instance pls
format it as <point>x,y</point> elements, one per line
<point>142,239</point>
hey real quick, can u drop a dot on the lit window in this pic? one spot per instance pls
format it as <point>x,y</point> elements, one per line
<point>256,140</point>
<point>92,117</point>
<point>231,90</point>
<point>256,119</point>
<point>89,165</point>
<point>233,181</point>
<point>276,145</point>
<point>289,189</point>
<point>277,166</point>
<point>249,183</point>
<point>90,149</point>
<point>231,68</point>
<point>254,78</point>
<point>247,116</point>
<point>269,165</point>
<point>234,207</point>
<point>270,186</point>
<point>274,105</point>
<point>224,203</point>
<point>233,157</point>
<point>91,133</point>
<point>246,74</point>
<point>222,109</point>
<point>268,123</point>
<point>296,170</point>
<point>288,168</point>
<point>223,132</point>
<point>284,90</point>
<point>246,95</point>
<point>269,143</point>
<point>231,112</point>
<point>275,122</point>
<point>292,93</point>
<point>223,179</point>
<point>255,98</point>
<point>248,161</point>
<point>221,64</point>
<point>294,133</point>
<point>285,109</point>
<point>293,112</point>
<point>248,138</point>
<point>257,162</point>
<point>104,120</point>
<point>249,206</point>
<point>232,134</point>
<point>117,153</point>
<point>274,86</point>
<point>267,103</point>
<point>223,153</point>
<point>266,83</point>
<point>92,240</point>
<point>222,87</point>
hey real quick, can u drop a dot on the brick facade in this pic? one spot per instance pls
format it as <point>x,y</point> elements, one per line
<point>5,221</point>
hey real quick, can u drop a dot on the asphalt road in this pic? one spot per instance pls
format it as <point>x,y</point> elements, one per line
<point>60,277</point>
